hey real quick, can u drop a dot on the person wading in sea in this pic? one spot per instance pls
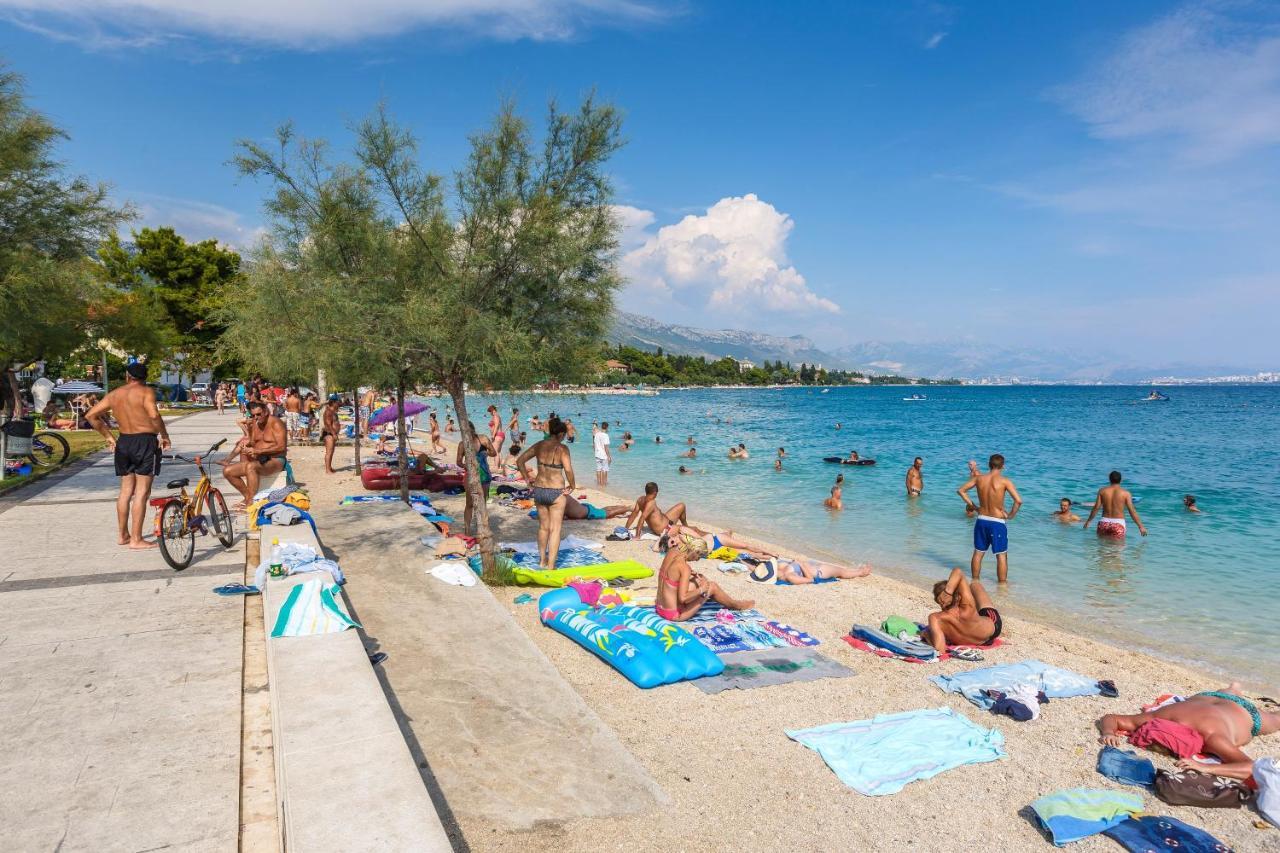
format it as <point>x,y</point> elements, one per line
<point>1114,500</point>
<point>990,531</point>
<point>137,451</point>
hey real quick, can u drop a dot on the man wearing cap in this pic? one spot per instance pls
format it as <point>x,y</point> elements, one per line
<point>137,450</point>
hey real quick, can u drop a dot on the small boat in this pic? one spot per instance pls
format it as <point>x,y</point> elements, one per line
<point>826,390</point>
<point>1155,397</point>
<point>915,398</point>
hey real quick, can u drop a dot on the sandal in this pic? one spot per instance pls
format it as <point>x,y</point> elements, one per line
<point>236,589</point>
<point>971,655</point>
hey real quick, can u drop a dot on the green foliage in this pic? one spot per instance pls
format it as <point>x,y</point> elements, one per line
<point>51,300</point>
<point>655,368</point>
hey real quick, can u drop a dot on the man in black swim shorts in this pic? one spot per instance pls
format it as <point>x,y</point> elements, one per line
<point>137,450</point>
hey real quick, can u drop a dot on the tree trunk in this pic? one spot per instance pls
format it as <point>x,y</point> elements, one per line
<point>322,386</point>
<point>480,510</point>
<point>402,450</point>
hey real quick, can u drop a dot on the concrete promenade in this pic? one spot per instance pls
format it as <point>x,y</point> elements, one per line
<point>120,679</point>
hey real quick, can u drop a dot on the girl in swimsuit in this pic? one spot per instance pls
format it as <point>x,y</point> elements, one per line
<point>551,484</point>
<point>496,435</point>
<point>436,446</point>
<point>682,591</point>
<point>801,570</point>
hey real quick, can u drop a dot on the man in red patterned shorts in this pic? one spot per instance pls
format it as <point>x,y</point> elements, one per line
<point>1114,500</point>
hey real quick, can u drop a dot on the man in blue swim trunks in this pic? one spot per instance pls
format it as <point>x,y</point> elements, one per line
<point>990,531</point>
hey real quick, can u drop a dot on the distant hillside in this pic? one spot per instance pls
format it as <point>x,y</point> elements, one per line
<point>648,334</point>
<point>962,360</point>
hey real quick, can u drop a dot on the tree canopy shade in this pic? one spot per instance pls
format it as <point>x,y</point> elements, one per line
<point>53,298</point>
<point>388,274</point>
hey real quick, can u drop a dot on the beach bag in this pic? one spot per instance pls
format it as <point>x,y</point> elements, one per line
<point>1193,788</point>
<point>17,437</point>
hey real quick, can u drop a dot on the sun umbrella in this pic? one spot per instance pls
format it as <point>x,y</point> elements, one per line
<point>387,414</point>
<point>77,387</point>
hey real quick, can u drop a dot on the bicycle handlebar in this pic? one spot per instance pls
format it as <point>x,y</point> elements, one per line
<point>202,456</point>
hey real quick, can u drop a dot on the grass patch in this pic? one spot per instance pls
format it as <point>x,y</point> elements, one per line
<point>82,442</point>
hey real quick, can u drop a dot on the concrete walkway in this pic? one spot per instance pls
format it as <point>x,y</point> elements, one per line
<point>120,679</point>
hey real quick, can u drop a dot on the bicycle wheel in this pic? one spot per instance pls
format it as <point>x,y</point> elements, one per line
<point>48,449</point>
<point>220,518</point>
<point>177,541</point>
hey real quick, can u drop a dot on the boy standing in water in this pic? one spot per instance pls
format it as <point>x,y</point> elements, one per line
<point>1114,500</point>
<point>990,530</point>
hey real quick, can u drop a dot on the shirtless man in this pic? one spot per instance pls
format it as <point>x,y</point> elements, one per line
<point>263,455</point>
<point>329,431</point>
<point>990,531</point>
<point>137,451</point>
<point>691,453</point>
<point>292,413</point>
<point>836,501</point>
<point>646,511</point>
<point>967,618</point>
<point>1225,719</point>
<point>365,409</point>
<point>1113,500</point>
<point>915,479</point>
<point>739,452</point>
<point>1064,514</point>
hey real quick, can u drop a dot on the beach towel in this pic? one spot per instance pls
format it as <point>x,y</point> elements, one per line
<point>1077,813</point>
<point>886,753</point>
<point>567,558</point>
<point>722,639</point>
<point>792,636</point>
<point>710,614</point>
<point>455,573</point>
<point>911,648</point>
<point>565,542</point>
<point>312,607</point>
<point>296,558</point>
<point>1055,683</point>
<point>1153,832</point>
<point>747,670</point>
<point>262,517</point>
<point>863,645</point>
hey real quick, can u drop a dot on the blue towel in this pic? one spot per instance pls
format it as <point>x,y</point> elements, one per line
<point>884,754</point>
<point>567,558</point>
<point>1055,683</point>
<point>1152,832</point>
<point>264,519</point>
<point>1077,813</point>
<point>815,580</point>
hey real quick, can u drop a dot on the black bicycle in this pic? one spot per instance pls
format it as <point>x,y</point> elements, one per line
<point>48,450</point>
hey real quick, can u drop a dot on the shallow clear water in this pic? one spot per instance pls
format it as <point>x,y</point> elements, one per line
<point>1202,587</point>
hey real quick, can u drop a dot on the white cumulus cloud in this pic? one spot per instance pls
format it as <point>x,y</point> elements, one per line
<point>310,24</point>
<point>195,220</point>
<point>730,261</point>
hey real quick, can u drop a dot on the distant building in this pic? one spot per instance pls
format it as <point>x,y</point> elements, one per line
<point>744,366</point>
<point>614,364</point>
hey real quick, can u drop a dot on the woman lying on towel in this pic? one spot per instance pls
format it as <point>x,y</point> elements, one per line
<point>681,590</point>
<point>967,618</point>
<point>689,536</point>
<point>800,570</point>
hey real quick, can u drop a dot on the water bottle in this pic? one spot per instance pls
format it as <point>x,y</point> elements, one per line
<point>276,567</point>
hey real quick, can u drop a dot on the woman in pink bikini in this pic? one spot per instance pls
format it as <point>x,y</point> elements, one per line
<point>496,435</point>
<point>681,590</point>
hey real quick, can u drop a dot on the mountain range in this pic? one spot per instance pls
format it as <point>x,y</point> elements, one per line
<point>960,360</point>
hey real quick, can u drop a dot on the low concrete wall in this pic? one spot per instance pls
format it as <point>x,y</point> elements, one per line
<point>344,775</point>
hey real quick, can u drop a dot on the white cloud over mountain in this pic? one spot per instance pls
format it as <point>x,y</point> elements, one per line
<point>728,263</point>
<point>310,24</point>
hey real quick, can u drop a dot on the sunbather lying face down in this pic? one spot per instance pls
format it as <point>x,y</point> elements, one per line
<point>1225,719</point>
<point>967,617</point>
<point>682,591</point>
<point>800,570</point>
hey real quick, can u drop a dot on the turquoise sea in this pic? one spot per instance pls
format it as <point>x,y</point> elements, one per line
<point>1204,588</point>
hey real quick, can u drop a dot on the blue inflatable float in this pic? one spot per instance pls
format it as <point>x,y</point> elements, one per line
<point>637,642</point>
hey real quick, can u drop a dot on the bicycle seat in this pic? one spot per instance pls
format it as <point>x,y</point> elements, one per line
<point>178,484</point>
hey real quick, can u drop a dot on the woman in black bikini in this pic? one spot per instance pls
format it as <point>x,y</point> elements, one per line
<point>551,484</point>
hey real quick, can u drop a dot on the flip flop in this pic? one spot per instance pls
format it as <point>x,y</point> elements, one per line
<point>377,658</point>
<point>236,589</point>
<point>966,654</point>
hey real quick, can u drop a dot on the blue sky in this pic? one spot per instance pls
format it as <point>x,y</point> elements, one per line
<point>1086,176</point>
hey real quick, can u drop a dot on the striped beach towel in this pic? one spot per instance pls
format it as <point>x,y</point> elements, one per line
<point>313,607</point>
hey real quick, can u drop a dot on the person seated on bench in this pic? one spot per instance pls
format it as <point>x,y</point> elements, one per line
<point>263,454</point>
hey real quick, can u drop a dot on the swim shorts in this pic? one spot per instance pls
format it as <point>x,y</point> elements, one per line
<point>994,615</point>
<point>138,453</point>
<point>1111,527</point>
<point>594,512</point>
<point>602,465</point>
<point>990,534</point>
<point>291,420</point>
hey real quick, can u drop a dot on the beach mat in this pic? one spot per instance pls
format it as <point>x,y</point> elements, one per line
<point>603,571</point>
<point>885,653</point>
<point>765,668</point>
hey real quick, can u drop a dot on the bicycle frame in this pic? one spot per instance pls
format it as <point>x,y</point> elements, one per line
<point>192,502</point>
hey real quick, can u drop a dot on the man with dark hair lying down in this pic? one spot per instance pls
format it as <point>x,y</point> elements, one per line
<point>1225,719</point>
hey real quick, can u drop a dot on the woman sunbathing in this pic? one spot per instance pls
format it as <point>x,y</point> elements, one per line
<point>967,617</point>
<point>681,590</point>
<point>686,534</point>
<point>801,570</point>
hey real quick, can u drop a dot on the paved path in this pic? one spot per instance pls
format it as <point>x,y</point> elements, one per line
<point>120,679</point>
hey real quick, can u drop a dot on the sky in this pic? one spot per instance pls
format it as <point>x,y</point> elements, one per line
<point>1082,176</point>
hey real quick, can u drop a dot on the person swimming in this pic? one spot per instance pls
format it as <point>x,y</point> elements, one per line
<point>691,453</point>
<point>1189,501</point>
<point>1064,514</point>
<point>836,500</point>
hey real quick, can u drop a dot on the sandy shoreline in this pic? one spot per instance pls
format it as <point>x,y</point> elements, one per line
<point>737,782</point>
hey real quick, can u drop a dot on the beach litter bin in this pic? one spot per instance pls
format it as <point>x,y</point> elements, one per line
<point>17,438</point>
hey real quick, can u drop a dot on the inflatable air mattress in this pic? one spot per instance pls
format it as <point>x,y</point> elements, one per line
<point>644,647</point>
<point>382,479</point>
<point>602,571</point>
<point>840,460</point>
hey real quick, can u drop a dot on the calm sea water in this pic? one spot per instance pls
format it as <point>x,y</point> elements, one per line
<point>1205,587</point>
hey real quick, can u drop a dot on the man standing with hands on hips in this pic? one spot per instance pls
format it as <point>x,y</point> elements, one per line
<point>603,457</point>
<point>990,531</point>
<point>137,450</point>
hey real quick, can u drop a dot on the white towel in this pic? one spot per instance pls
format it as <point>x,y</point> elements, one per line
<point>456,572</point>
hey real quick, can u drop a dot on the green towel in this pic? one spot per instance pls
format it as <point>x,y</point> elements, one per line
<point>895,625</point>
